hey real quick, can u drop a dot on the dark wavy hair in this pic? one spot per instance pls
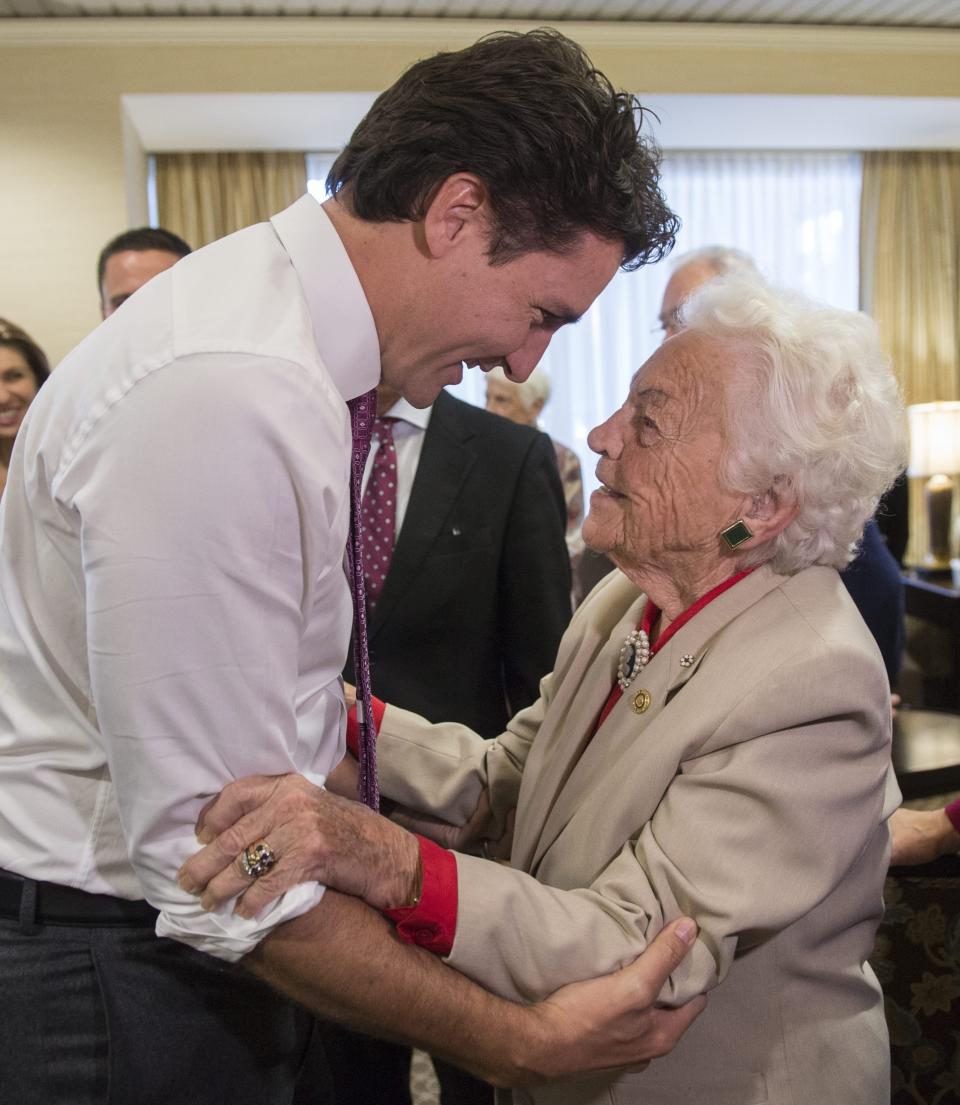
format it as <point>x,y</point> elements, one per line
<point>13,337</point>
<point>559,150</point>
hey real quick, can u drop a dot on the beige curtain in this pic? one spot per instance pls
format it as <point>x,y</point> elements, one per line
<point>203,196</point>
<point>910,279</point>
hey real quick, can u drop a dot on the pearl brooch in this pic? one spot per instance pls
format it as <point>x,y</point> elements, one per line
<point>634,655</point>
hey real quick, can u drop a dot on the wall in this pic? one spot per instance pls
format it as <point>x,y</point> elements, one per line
<point>63,177</point>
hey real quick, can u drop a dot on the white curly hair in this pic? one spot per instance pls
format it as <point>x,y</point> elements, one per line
<point>535,389</point>
<point>816,410</point>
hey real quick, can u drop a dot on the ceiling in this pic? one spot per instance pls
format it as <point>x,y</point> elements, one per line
<point>859,13</point>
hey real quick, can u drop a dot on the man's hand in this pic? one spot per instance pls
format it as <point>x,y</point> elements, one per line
<point>314,835</point>
<point>612,1021</point>
<point>921,836</point>
<point>344,961</point>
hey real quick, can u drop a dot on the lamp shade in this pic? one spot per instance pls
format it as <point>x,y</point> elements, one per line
<point>934,439</point>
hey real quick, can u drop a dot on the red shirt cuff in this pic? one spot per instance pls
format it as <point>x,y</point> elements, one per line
<point>432,922</point>
<point>353,726</point>
<point>953,813</point>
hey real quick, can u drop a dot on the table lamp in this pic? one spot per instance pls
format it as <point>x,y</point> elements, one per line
<point>935,453</point>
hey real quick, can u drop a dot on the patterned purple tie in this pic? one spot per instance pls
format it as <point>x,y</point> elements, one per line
<point>362,411</point>
<point>378,513</point>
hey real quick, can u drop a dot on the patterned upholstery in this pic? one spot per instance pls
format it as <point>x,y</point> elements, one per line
<point>917,960</point>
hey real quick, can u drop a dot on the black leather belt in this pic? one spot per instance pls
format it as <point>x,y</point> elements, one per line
<point>66,905</point>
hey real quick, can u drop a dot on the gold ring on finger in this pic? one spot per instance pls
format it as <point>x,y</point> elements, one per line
<point>257,859</point>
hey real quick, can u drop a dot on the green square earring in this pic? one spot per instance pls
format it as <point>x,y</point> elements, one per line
<point>736,534</point>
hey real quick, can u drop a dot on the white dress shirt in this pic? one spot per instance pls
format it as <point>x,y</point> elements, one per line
<point>408,433</point>
<point>174,611</point>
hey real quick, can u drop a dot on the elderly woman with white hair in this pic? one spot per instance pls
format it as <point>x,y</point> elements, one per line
<point>523,403</point>
<point>714,740</point>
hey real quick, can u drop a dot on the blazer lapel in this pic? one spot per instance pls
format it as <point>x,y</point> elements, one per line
<point>579,764</point>
<point>581,692</point>
<point>444,464</point>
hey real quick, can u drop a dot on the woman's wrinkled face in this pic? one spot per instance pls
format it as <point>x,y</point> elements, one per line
<point>18,386</point>
<point>660,456</point>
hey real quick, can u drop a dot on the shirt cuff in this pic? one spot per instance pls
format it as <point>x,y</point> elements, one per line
<point>353,726</point>
<point>953,813</point>
<point>221,933</point>
<point>432,922</point>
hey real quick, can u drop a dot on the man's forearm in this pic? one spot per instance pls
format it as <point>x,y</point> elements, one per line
<point>343,961</point>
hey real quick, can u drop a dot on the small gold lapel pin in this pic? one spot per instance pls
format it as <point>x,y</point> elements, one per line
<point>641,701</point>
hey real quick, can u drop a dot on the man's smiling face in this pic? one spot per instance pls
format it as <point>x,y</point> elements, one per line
<point>506,314</point>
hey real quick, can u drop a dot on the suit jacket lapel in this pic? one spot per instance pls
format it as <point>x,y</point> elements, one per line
<point>445,462</point>
<point>578,764</point>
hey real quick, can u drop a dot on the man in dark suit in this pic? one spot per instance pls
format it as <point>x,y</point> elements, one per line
<point>477,594</point>
<point>466,621</point>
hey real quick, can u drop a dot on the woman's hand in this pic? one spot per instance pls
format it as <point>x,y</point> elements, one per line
<point>921,836</point>
<point>314,835</point>
<point>349,694</point>
<point>345,778</point>
<point>457,837</point>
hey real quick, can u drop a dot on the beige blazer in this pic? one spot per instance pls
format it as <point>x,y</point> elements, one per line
<point>752,794</point>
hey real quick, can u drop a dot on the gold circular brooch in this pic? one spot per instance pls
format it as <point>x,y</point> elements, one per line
<point>641,701</point>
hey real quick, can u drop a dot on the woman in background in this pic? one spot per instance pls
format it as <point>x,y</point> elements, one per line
<point>523,403</point>
<point>23,368</point>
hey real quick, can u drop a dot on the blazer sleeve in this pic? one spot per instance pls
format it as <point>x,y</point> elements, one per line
<point>534,581</point>
<point>442,769</point>
<point>761,822</point>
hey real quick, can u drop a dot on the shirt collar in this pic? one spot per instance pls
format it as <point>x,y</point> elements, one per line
<point>416,416</point>
<point>343,326</point>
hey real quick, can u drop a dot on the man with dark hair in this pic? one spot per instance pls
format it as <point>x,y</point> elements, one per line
<point>557,149</point>
<point>174,611</point>
<point>128,261</point>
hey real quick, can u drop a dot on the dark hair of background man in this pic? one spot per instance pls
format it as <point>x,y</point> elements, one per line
<point>139,240</point>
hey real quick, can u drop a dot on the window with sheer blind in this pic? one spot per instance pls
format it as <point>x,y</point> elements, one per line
<point>797,214</point>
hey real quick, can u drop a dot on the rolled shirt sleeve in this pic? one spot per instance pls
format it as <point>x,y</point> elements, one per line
<point>213,508</point>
